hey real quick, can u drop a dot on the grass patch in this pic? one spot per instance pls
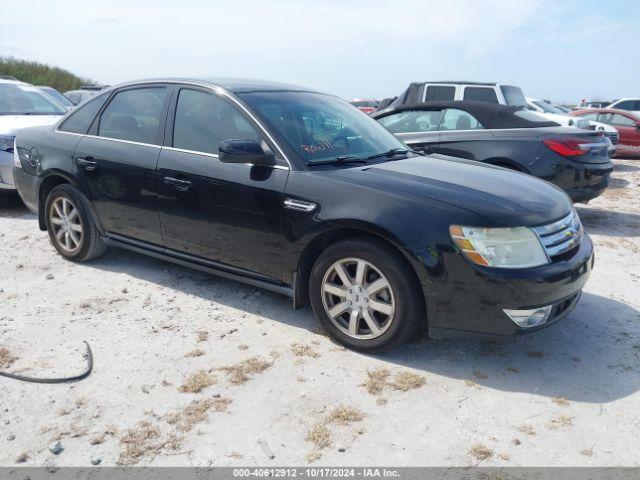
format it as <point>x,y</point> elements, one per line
<point>196,412</point>
<point>320,435</point>
<point>6,358</point>
<point>195,353</point>
<point>405,381</point>
<point>527,430</point>
<point>563,402</point>
<point>140,442</point>
<point>304,351</point>
<point>561,421</point>
<point>480,452</point>
<point>378,380</point>
<point>196,382</point>
<point>240,373</point>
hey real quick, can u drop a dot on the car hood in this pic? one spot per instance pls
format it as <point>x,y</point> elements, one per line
<point>11,124</point>
<point>503,197</point>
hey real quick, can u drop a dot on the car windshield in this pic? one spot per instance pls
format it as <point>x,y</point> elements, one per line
<point>513,96</point>
<point>57,96</point>
<point>320,127</point>
<point>547,107</point>
<point>18,99</point>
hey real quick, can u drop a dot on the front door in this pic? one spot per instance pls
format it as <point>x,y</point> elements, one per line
<point>116,163</point>
<point>227,213</point>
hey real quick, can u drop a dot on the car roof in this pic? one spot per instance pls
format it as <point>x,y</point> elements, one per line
<point>234,85</point>
<point>456,82</point>
<point>490,115</point>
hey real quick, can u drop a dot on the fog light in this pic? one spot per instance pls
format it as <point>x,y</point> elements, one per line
<point>529,318</point>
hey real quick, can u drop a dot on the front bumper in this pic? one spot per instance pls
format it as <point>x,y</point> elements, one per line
<point>470,300</point>
<point>6,167</point>
<point>583,181</point>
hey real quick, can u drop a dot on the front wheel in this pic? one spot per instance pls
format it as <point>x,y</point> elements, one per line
<point>366,295</point>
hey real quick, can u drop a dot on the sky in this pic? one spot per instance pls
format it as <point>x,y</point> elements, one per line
<point>564,50</point>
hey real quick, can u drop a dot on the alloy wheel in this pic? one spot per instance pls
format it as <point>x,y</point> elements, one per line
<point>66,224</point>
<point>358,298</point>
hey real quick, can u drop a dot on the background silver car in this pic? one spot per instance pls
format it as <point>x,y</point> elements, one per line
<point>21,106</point>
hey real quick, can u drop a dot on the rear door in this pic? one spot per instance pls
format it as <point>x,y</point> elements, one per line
<point>116,162</point>
<point>417,128</point>
<point>227,213</point>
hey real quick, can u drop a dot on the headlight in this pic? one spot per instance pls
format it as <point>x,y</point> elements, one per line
<point>6,144</point>
<point>517,247</point>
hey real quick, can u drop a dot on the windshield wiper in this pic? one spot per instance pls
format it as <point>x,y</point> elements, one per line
<point>341,160</point>
<point>389,153</point>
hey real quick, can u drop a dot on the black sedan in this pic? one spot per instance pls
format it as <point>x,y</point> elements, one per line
<point>298,192</point>
<point>575,160</point>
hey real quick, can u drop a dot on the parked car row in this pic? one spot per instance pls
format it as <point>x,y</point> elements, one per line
<point>298,192</point>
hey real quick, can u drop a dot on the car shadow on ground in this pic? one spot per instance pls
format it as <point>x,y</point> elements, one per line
<point>12,207</point>
<point>591,356</point>
<point>621,167</point>
<point>609,222</point>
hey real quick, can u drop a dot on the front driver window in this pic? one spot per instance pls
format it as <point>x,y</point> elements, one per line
<point>203,120</point>
<point>412,121</point>
<point>455,119</point>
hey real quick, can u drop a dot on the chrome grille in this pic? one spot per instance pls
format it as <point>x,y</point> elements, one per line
<point>561,236</point>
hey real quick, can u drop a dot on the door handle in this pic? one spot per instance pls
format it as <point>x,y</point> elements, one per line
<point>181,185</point>
<point>88,163</point>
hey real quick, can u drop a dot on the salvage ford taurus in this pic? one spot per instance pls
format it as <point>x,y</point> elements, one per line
<point>298,192</point>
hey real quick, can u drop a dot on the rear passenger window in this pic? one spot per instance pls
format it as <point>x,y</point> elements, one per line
<point>480,94</point>
<point>455,119</point>
<point>203,120</point>
<point>80,120</point>
<point>133,115</point>
<point>436,93</point>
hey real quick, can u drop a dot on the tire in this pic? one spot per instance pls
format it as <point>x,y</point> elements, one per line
<point>84,241</point>
<point>382,264</point>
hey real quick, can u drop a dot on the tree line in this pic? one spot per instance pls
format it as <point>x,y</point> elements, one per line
<point>41,74</point>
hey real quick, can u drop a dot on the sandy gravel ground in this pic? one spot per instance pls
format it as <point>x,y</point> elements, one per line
<point>196,370</point>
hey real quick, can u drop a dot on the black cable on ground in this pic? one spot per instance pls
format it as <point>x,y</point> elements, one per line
<point>77,378</point>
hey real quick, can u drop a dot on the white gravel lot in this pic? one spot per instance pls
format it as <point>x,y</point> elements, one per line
<point>565,396</point>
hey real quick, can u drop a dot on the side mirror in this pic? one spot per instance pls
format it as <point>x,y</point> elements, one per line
<point>245,151</point>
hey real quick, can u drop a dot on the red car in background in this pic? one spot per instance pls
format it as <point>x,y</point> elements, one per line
<point>366,106</point>
<point>627,124</point>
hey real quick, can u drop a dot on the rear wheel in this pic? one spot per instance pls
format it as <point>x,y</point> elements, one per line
<point>366,295</point>
<point>71,227</point>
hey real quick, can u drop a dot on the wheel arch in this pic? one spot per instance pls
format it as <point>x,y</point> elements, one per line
<point>51,180</point>
<point>505,163</point>
<point>339,232</point>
